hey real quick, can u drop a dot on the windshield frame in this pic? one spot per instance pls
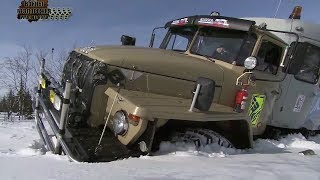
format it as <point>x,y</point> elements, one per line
<point>236,61</point>
<point>239,57</point>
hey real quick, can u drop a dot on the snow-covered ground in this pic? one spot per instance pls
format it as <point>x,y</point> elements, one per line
<point>22,158</point>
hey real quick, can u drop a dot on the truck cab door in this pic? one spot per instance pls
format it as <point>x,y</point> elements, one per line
<point>297,108</point>
<point>268,73</point>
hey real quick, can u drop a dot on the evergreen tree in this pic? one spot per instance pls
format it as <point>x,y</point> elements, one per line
<point>8,103</point>
<point>20,98</point>
<point>27,105</point>
<point>3,104</point>
<point>12,102</point>
<point>24,102</point>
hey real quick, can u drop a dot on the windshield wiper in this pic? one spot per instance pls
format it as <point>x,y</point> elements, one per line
<point>209,58</point>
<point>178,50</point>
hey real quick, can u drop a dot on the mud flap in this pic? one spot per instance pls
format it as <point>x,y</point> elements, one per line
<point>148,136</point>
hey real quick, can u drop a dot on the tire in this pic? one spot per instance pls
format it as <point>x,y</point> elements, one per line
<point>201,138</point>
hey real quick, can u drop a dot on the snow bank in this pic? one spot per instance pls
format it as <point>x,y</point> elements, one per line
<point>21,158</point>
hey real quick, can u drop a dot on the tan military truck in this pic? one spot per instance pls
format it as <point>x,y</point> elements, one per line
<point>120,101</point>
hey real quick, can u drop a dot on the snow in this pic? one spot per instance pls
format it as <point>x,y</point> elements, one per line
<point>21,157</point>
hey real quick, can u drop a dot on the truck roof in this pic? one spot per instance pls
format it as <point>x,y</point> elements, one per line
<point>212,21</point>
<point>307,31</point>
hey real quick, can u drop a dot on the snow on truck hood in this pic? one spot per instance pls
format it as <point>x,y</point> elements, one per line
<point>158,61</point>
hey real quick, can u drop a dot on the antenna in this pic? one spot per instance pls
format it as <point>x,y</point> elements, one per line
<point>275,14</point>
<point>52,54</point>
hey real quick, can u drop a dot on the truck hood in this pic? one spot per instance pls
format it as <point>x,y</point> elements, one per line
<point>158,61</point>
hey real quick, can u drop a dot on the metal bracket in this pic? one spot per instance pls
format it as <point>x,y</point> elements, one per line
<point>195,97</point>
<point>239,83</point>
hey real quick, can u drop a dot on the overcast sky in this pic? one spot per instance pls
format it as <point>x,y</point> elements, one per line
<point>104,21</point>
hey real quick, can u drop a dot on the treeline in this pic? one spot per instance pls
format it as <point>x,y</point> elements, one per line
<point>19,103</point>
<point>19,76</point>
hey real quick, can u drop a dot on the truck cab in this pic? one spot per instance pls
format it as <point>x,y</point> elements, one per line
<point>228,42</point>
<point>290,94</point>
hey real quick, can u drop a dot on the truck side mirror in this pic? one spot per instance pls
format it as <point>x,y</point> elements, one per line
<point>203,97</point>
<point>127,40</point>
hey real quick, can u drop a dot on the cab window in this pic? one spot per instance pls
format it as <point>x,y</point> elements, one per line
<point>269,57</point>
<point>246,48</point>
<point>219,44</point>
<point>178,38</point>
<point>178,43</point>
<point>308,69</point>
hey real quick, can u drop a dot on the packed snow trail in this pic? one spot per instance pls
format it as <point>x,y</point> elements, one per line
<point>21,157</point>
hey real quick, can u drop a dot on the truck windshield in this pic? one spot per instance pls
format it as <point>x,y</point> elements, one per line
<point>220,44</point>
<point>178,38</point>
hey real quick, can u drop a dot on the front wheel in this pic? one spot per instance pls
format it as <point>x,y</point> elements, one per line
<point>201,137</point>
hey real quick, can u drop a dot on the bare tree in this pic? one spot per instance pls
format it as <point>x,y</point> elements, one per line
<point>55,63</point>
<point>20,73</point>
<point>9,75</point>
<point>16,69</point>
<point>25,58</point>
<point>15,75</point>
<point>39,55</point>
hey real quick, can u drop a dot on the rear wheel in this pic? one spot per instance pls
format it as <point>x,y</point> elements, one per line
<point>201,137</point>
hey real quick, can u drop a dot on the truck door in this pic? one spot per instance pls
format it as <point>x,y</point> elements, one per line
<point>298,107</point>
<point>266,90</point>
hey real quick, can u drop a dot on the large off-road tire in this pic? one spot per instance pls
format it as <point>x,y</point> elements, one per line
<point>201,137</point>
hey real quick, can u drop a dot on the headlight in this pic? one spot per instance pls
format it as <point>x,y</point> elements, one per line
<point>120,123</point>
<point>250,62</point>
